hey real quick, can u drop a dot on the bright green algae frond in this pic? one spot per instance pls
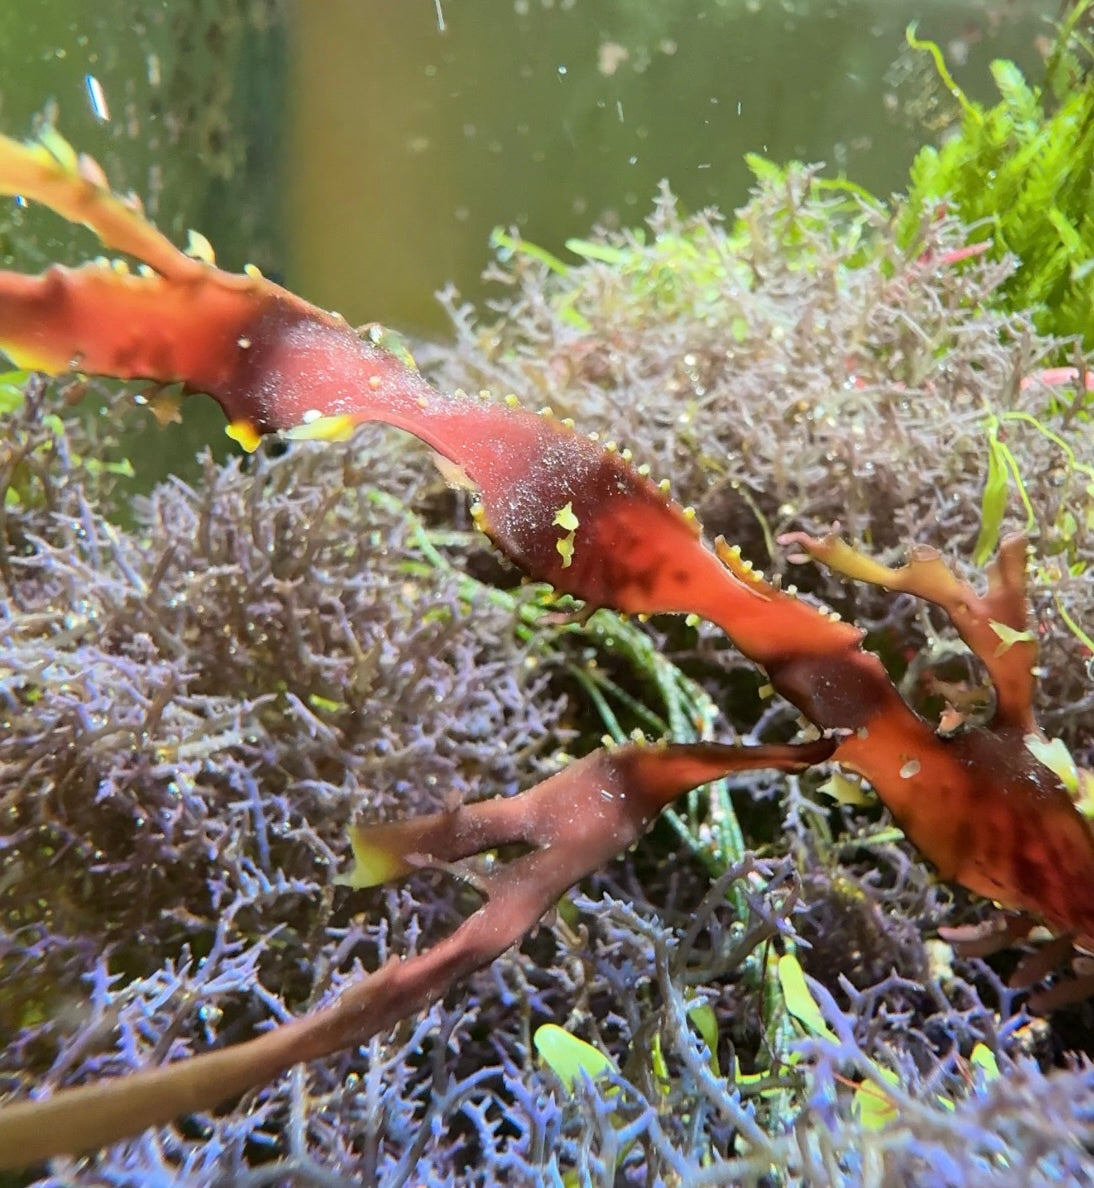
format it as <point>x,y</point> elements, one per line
<point>1019,173</point>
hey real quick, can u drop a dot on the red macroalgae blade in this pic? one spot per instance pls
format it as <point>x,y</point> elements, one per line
<point>567,510</point>
<point>617,791</point>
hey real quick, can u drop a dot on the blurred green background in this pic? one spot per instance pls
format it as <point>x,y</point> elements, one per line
<point>408,144</point>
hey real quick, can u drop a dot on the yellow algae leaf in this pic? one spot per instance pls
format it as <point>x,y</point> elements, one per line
<point>845,790</point>
<point>199,247</point>
<point>244,434</point>
<point>799,998</point>
<point>569,1058</point>
<point>1053,753</point>
<point>336,428</point>
<point>871,1105</point>
<point>372,864</point>
<point>567,520</point>
<point>1008,636</point>
<point>58,149</point>
<point>983,1058</point>
<point>704,1020</point>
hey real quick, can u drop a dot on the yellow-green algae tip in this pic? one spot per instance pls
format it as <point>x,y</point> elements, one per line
<point>845,790</point>
<point>318,428</point>
<point>57,147</point>
<point>568,522</point>
<point>482,524</point>
<point>391,342</point>
<point>565,518</point>
<point>244,434</point>
<point>372,865</point>
<point>1053,753</point>
<point>199,248</point>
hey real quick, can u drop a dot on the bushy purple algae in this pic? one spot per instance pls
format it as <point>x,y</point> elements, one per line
<point>193,709</point>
